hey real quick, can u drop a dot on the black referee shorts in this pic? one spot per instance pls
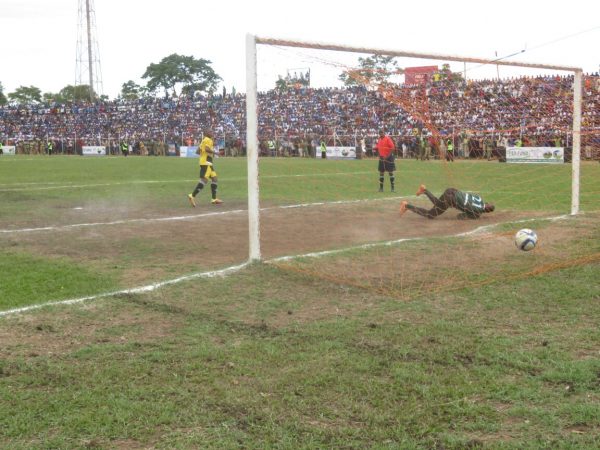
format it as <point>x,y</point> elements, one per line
<point>387,164</point>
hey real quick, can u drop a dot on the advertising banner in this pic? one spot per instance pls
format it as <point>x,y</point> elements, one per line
<point>188,151</point>
<point>8,150</point>
<point>338,153</point>
<point>547,155</point>
<point>93,150</point>
<point>419,75</point>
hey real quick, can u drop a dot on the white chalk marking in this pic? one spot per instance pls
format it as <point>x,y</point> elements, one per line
<point>477,230</point>
<point>187,217</point>
<point>233,269</point>
<point>137,290</point>
<point>18,187</point>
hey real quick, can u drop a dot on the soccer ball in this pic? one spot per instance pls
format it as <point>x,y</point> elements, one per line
<point>526,239</point>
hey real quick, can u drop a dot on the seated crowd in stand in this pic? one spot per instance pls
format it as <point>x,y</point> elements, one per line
<point>479,117</point>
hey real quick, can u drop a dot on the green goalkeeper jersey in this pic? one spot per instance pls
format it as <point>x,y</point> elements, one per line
<point>469,203</point>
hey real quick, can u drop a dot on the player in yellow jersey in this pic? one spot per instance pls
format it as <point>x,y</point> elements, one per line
<point>207,170</point>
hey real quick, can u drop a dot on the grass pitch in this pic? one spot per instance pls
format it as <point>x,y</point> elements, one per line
<point>278,355</point>
<point>73,226</point>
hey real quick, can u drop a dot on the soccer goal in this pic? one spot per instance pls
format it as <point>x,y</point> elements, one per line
<point>503,131</point>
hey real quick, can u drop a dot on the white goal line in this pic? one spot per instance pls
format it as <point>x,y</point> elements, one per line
<point>232,269</point>
<point>479,230</point>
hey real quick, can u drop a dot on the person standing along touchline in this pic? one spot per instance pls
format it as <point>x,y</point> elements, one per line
<point>385,147</point>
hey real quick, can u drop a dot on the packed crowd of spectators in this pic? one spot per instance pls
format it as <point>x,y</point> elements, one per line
<point>535,110</point>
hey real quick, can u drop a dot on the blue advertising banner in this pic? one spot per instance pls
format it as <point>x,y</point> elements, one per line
<point>188,152</point>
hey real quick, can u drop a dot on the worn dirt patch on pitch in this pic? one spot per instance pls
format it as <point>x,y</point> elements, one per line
<point>208,238</point>
<point>444,263</point>
<point>67,330</point>
<point>409,269</point>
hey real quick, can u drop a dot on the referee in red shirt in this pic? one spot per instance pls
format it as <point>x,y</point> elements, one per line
<point>385,148</point>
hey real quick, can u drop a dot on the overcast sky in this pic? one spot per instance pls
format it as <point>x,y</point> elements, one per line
<point>39,37</point>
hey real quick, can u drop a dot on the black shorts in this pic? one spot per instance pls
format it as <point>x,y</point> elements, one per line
<point>387,164</point>
<point>207,171</point>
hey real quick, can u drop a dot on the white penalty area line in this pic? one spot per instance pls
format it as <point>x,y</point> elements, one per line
<point>16,160</point>
<point>187,217</point>
<point>137,290</point>
<point>232,269</point>
<point>43,186</point>
<point>122,222</point>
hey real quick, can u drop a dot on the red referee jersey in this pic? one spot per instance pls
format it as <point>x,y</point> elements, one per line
<point>385,146</point>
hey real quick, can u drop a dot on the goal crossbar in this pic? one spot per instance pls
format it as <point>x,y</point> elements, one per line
<point>400,54</point>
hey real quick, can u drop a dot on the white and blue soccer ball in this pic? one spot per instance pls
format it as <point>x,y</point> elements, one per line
<point>526,239</point>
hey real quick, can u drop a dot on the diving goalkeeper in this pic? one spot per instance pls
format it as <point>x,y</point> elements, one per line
<point>471,205</point>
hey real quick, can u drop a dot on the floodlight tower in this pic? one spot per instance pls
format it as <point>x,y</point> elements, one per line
<point>87,62</point>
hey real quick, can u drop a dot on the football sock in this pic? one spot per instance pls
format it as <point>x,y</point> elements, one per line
<point>198,188</point>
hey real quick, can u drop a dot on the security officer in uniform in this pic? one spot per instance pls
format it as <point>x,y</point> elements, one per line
<point>49,147</point>
<point>450,150</point>
<point>271,147</point>
<point>124,148</point>
<point>323,150</point>
<point>488,147</point>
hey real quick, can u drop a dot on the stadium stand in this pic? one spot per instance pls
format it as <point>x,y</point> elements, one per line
<point>299,118</point>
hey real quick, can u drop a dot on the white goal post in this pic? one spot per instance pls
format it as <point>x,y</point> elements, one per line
<point>252,144</point>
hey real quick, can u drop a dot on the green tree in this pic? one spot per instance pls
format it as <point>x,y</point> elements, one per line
<point>190,89</point>
<point>26,94</point>
<point>68,94</point>
<point>3,99</point>
<point>77,93</point>
<point>447,74</point>
<point>184,72</point>
<point>49,97</point>
<point>131,91</point>
<point>375,69</point>
<point>281,85</point>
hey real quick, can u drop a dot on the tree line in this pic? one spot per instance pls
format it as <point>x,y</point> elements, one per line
<point>177,75</point>
<point>174,75</point>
